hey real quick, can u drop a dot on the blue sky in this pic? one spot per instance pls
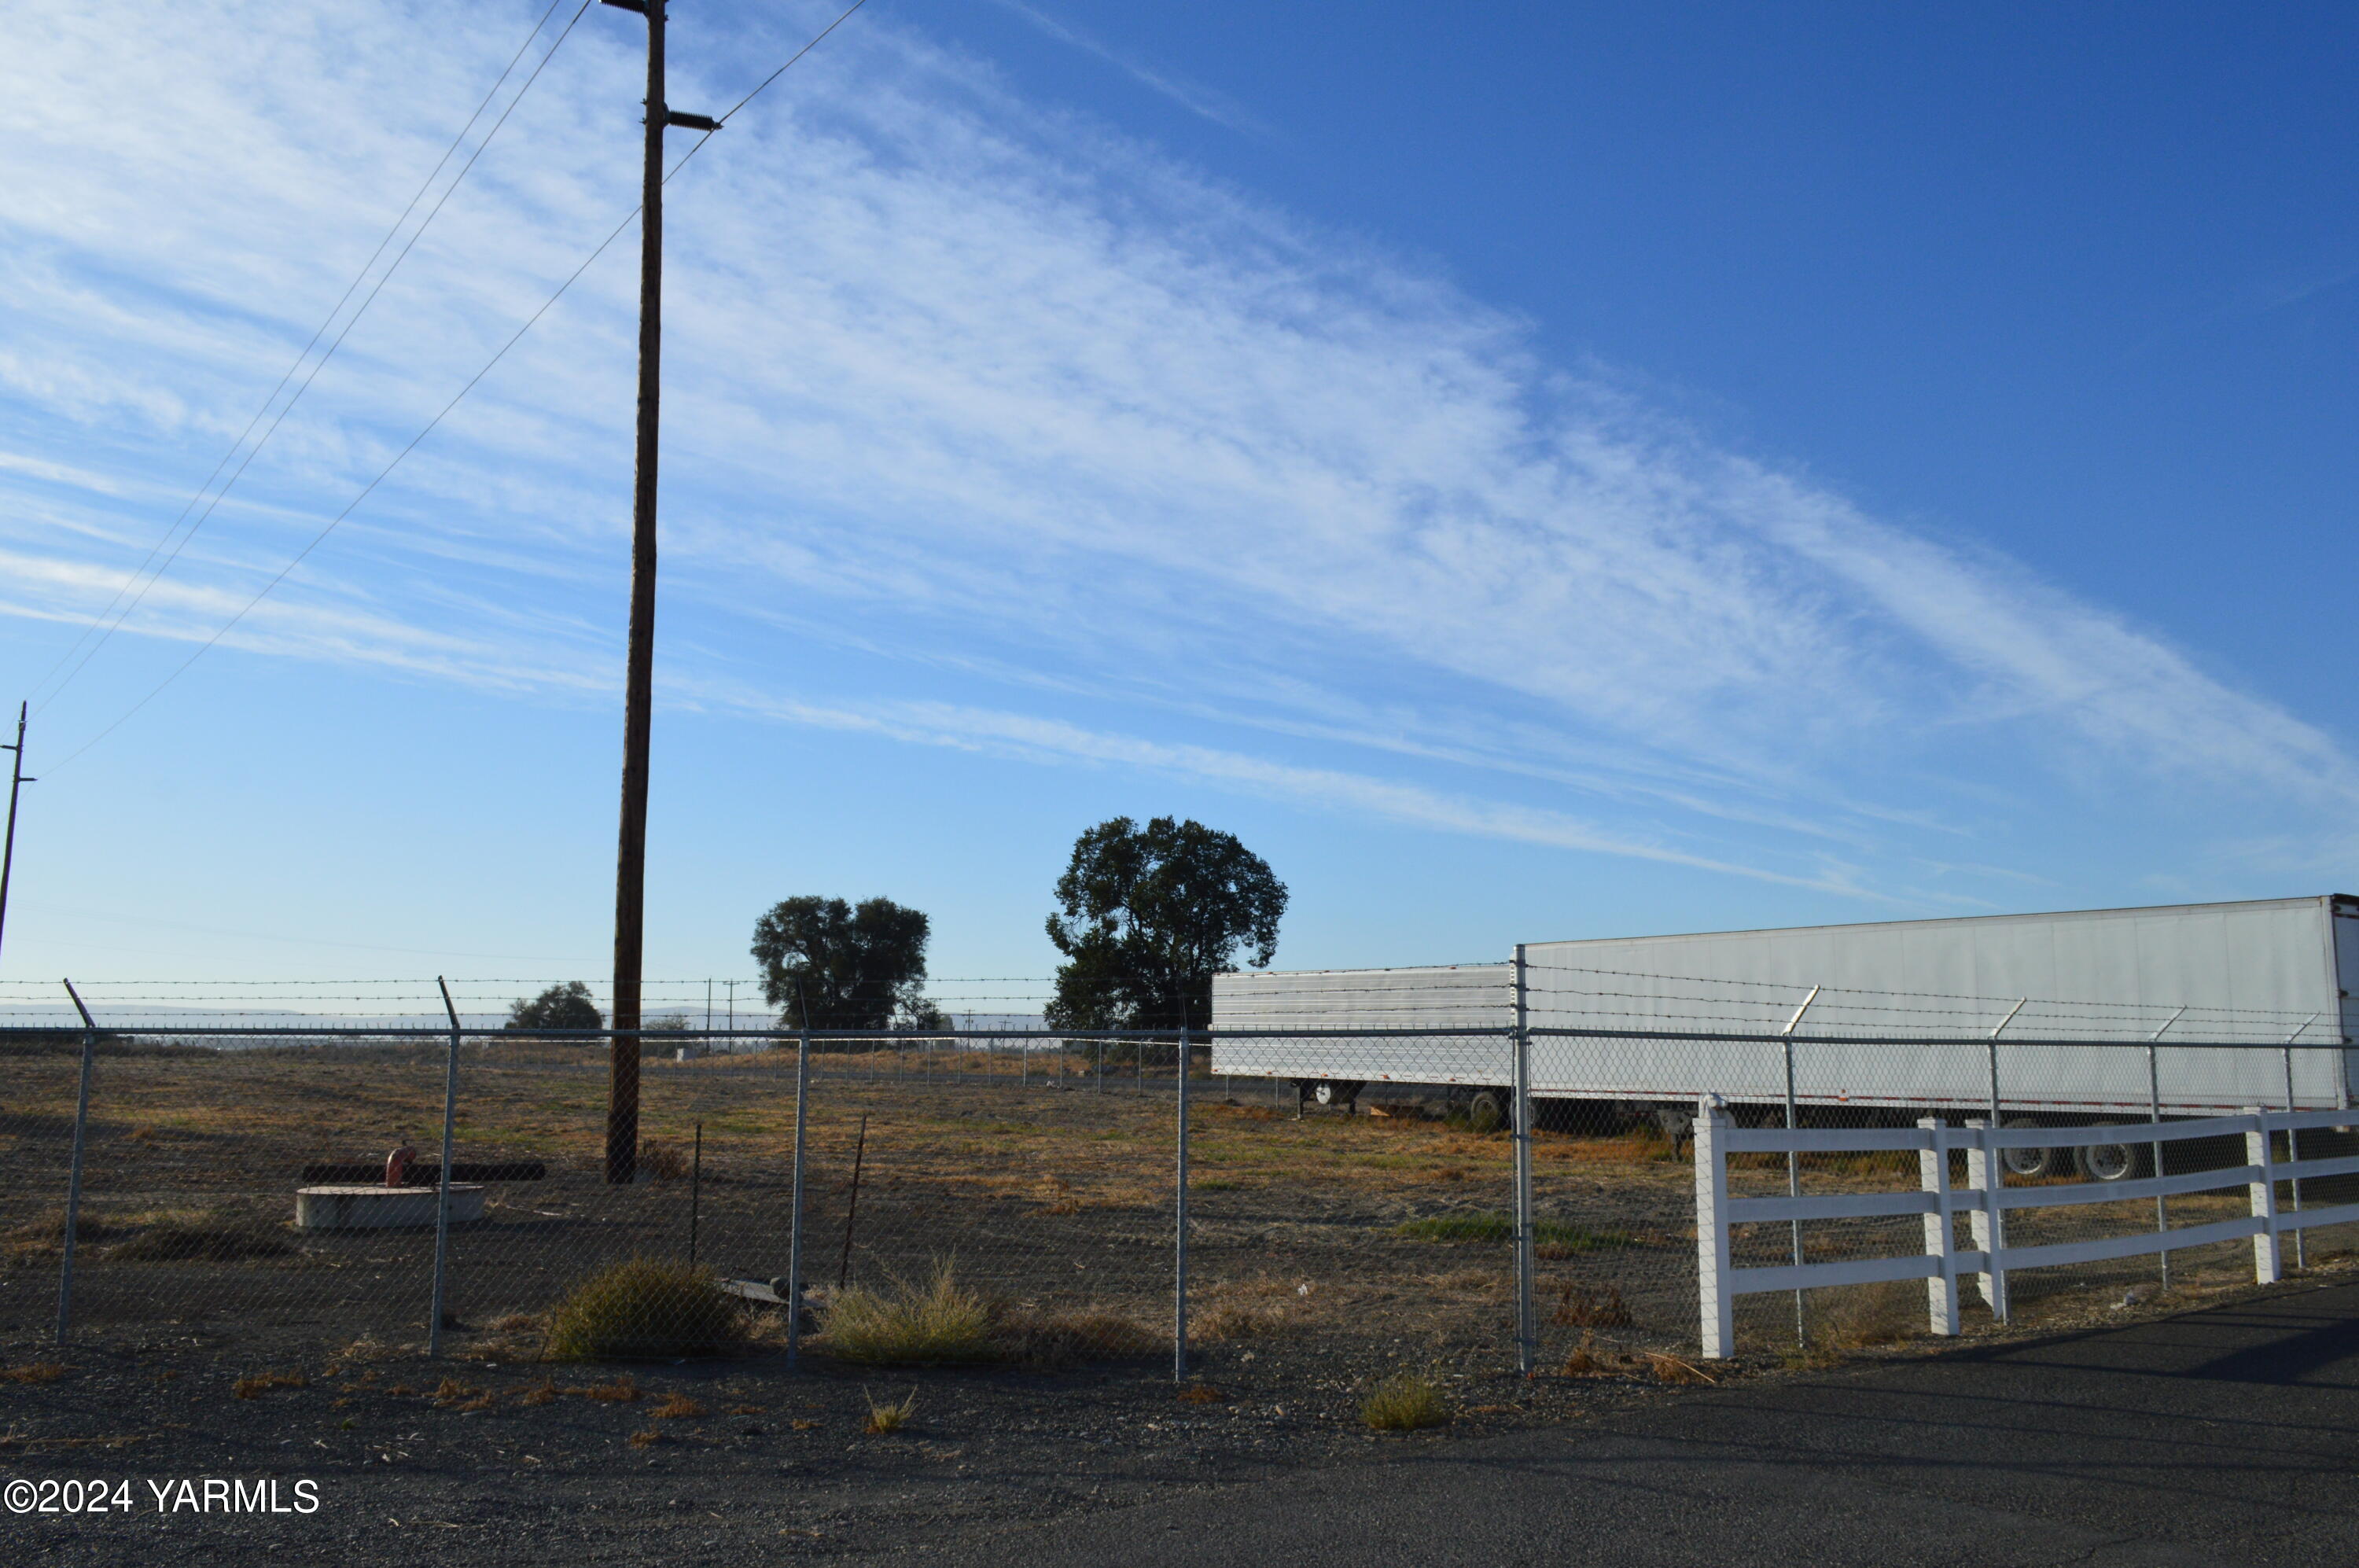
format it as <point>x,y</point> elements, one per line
<point>1531,472</point>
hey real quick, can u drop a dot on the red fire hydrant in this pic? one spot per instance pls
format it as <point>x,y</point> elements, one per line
<point>397,1163</point>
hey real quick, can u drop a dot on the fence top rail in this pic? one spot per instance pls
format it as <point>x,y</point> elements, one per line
<point>1978,1041</point>
<point>442,1031</point>
<point>2130,1132</point>
<point>1832,1140</point>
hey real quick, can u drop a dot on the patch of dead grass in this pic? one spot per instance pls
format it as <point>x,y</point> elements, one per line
<point>1586,1306</point>
<point>1079,1334</point>
<point>260,1383</point>
<point>1861,1317</point>
<point>1671,1369</point>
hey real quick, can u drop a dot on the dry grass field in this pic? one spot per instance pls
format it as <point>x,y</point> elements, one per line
<point>1373,1238</point>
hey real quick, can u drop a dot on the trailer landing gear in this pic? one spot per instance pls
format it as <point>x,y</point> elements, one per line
<point>1327,1093</point>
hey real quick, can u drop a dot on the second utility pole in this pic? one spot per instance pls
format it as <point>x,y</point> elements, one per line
<point>17,781</point>
<point>631,852</point>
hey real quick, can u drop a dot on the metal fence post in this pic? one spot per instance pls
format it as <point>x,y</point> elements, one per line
<point>1179,1257</point>
<point>795,1219</point>
<point>2154,1100</point>
<point>73,1177</point>
<point>1794,1160</point>
<point>1717,1311</point>
<point>2293,1140</point>
<point>1527,1327</point>
<point>442,1182</point>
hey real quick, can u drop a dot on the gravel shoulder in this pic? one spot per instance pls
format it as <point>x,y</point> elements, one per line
<point>524,1464</point>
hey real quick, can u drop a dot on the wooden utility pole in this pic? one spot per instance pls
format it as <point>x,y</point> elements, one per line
<point>17,781</point>
<point>630,853</point>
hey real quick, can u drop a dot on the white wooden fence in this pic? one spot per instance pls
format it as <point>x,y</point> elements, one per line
<point>1942,1262</point>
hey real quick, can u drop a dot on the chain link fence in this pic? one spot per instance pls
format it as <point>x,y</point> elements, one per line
<point>1453,1194</point>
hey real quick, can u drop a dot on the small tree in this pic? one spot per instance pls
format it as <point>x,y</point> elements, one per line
<point>566,1006</point>
<point>827,964</point>
<point>1149,916</point>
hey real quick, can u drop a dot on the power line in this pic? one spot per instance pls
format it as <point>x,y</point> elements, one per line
<point>501,353</point>
<point>312,375</point>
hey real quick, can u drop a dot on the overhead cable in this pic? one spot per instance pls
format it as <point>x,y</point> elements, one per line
<point>428,429</point>
<point>201,516</point>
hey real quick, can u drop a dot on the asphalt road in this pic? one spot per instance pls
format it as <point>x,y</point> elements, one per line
<point>2228,1436</point>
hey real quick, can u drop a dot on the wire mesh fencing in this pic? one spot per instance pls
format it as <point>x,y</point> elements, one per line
<point>1480,1192</point>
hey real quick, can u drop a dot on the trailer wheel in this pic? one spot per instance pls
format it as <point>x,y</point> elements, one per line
<point>2113,1161</point>
<point>2033,1164</point>
<point>1488,1111</point>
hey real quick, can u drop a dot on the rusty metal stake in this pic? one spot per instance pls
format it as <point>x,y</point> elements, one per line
<point>851,1211</point>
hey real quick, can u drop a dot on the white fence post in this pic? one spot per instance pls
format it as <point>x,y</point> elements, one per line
<point>1711,1233</point>
<point>1987,1222</point>
<point>1940,1234</point>
<point>2267,1255</point>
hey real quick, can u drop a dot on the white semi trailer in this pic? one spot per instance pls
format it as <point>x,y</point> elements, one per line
<point>2044,1017</point>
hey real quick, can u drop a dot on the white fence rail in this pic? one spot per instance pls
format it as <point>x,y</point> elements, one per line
<point>1986,1204</point>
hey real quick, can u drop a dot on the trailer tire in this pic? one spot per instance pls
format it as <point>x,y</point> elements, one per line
<point>2033,1164</point>
<point>1489,1110</point>
<point>2113,1161</point>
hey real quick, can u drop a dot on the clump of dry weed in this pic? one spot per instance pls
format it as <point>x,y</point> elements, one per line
<point>662,1161</point>
<point>1403,1402</point>
<point>889,1418</point>
<point>644,1310</point>
<point>939,1321</point>
<point>1058,1196</point>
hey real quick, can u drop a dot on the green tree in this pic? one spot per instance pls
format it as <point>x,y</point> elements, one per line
<point>1148,916</point>
<point>566,1006</point>
<point>827,964</point>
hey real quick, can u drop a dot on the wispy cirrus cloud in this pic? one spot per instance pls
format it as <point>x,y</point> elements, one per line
<point>1193,96</point>
<point>1023,416</point>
